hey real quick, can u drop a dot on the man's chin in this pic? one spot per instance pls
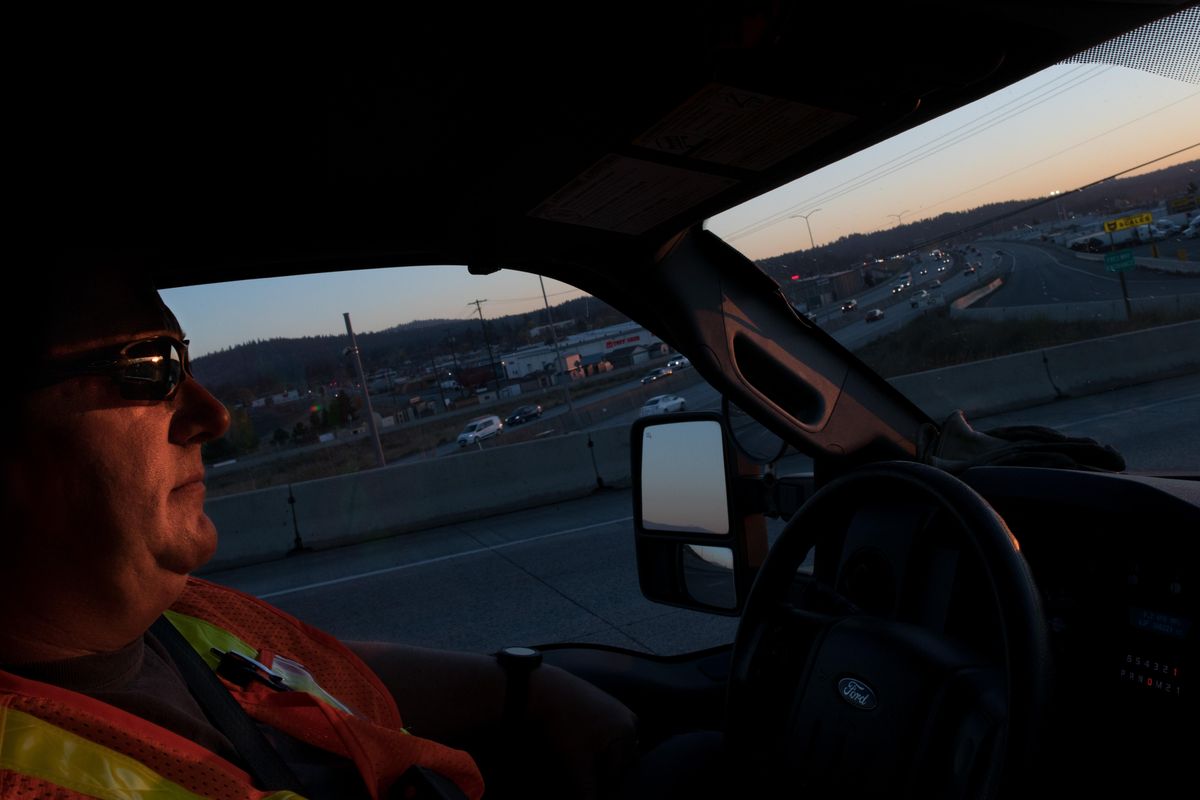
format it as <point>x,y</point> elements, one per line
<point>193,550</point>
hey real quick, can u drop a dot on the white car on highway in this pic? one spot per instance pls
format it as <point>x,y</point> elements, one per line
<point>662,404</point>
<point>679,362</point>
<point>479,429</point>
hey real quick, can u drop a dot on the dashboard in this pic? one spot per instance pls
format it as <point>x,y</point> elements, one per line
<point>1116,559</point>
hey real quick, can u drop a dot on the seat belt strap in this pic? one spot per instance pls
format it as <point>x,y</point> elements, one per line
<point>269,770</point>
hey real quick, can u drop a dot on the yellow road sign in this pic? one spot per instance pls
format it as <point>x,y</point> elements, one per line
<point>1145,218</point>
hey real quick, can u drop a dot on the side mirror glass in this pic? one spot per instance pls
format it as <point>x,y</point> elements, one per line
<point>683,480</point>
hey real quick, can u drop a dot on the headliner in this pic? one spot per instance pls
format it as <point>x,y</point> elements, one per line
<point>583,138</point>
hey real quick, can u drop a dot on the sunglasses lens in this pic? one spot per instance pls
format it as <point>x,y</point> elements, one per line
<point>152,371</point>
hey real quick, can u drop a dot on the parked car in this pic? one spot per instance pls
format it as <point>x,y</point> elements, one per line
<point>662,404</point>
<point>655,374</point>
<point>874,315</point>
<point>479,429</point>
<point>1165,229</point>
<point>523,414</point>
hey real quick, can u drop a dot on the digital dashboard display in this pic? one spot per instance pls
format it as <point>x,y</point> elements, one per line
<point>1154,664</point>
<point>1144,619</point>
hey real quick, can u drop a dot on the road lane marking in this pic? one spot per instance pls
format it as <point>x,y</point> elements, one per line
<point>473,552</point>
<point>1133,409</point>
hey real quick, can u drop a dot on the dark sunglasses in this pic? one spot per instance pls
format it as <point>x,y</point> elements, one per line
<point>148,369</point>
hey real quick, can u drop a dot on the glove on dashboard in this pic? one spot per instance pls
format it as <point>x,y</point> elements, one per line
<point>958,446</point>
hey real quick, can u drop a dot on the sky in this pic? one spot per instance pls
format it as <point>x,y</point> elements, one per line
<point>226,314</point>
<point>1056,131</point>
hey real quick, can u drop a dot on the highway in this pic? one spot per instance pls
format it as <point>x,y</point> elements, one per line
<point>1043,274</point>
<point>566,572</point>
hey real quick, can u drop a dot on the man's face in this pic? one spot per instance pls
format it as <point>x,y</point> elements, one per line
<point>109,492</point>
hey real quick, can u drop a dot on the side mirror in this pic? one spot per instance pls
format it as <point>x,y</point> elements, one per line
<point>695,549</point>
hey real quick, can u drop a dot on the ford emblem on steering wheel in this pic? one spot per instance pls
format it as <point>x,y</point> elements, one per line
<point>857,693</point>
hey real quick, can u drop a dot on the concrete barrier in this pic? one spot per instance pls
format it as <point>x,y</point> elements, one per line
<point>1070,370</point>
<point>612,453</point>
<point>1098,365</point>
<point>981,387</point>
<point>257,526</point>
<point>1173,266</point>
<point>1179,264</point>
<point>975,295</point>
<point>1087,310</point>
<point>251,526</point>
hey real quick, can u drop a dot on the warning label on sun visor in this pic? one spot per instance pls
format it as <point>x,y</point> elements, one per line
<point>742,129</point>
<point>629,195</point>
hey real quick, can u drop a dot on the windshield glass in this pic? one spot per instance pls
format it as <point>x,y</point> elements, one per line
<point>1045,220</point>
<point>526,536</point>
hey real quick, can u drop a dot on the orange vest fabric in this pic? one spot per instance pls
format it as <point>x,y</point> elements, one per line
<point>370,735</point>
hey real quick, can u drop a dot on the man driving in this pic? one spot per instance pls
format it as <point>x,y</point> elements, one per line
<point>120,674</point>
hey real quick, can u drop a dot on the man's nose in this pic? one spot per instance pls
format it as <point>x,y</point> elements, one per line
<point>199,417</point>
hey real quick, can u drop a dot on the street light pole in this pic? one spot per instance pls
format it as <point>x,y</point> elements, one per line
<point>811,244</point>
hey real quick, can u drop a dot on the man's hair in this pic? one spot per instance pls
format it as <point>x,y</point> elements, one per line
<point>83,295</point>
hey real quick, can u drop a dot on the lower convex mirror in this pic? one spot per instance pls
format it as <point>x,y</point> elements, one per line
<point>708,575</point>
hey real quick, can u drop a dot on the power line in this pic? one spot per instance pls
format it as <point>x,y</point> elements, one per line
<point>1044,201</point>
<point>537,297</point>
<point>974,127</point>
<point>1073,147</point>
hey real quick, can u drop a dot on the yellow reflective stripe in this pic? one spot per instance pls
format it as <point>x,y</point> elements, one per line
<point>203,636</point>
<point>34,747</point>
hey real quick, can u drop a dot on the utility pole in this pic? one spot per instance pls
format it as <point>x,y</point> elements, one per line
<point>562,366</point>
<point>437,376</point>
<point>454,356</point>
<point>366,394</point>
<point>486,342</point>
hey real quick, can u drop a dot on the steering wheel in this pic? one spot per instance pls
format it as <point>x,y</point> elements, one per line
<point>832,701</point>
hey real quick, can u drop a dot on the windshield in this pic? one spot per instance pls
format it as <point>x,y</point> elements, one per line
<point>1019,224</point>
<point>523,537</point>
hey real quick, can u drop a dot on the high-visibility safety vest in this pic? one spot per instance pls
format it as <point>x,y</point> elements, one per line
<point>56,743</point>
